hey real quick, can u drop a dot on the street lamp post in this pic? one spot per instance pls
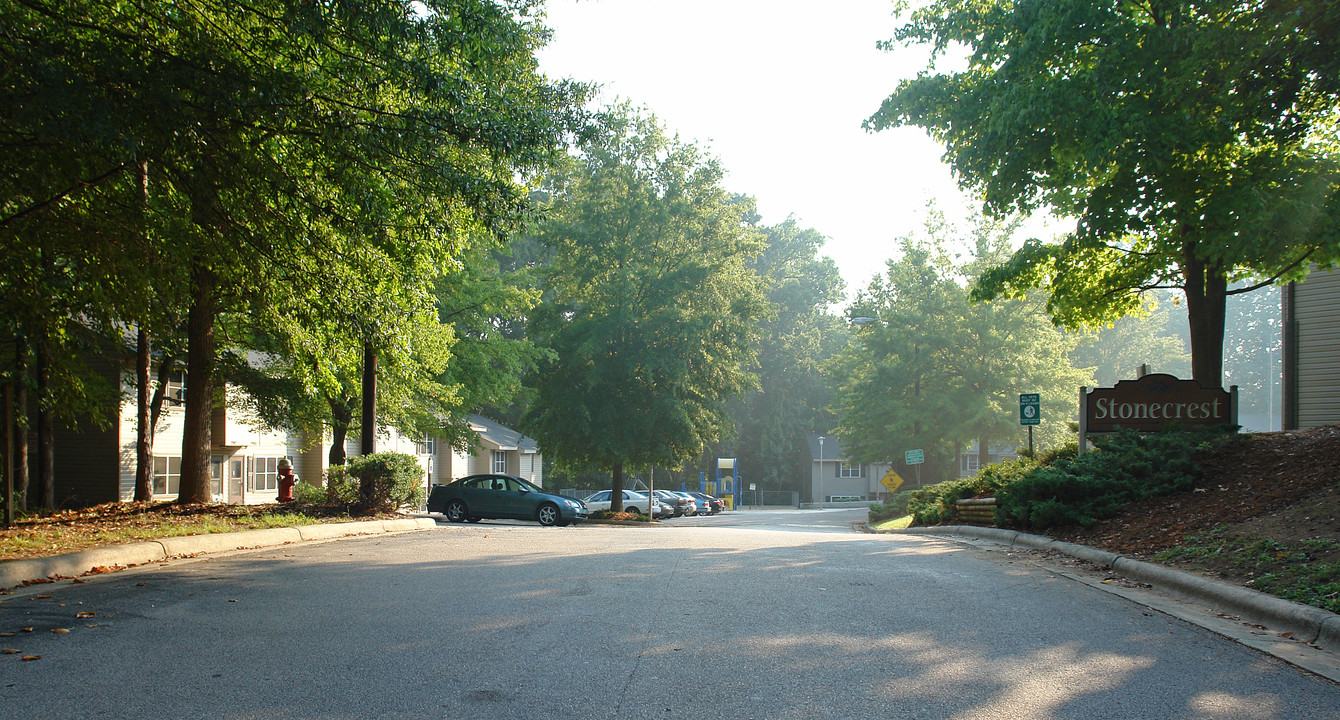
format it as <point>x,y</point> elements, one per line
<point>819,499</point>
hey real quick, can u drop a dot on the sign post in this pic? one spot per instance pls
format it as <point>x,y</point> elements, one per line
<point>915,457</point>
<point>1030,414</point>
<point>892,480</point>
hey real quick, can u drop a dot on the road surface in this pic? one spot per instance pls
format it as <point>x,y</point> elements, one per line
<point>747,615</point>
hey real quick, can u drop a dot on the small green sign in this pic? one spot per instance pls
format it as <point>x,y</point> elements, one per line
<point>1030,409</point>
<point>914,457</point>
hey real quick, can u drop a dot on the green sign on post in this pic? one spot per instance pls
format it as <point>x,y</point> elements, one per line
<point>1030,409</point>
<point>914,457</point>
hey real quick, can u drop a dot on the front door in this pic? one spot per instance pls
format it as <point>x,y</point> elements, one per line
<point>237,473</point>
<point>216,477</point>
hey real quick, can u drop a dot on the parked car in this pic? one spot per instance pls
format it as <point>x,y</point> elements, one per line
<point>700,507</point>
<point>503,496</point>
<point>632,501</point>
<point>680,503</point>
<point>716,503</point>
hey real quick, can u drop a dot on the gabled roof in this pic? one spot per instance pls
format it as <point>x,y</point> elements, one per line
<point>832,448</point>
<point>497,436</point>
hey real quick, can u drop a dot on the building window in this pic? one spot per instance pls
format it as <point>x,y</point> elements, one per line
<point>427,446</point>
<point>847,470</point>
<point>167,475</point>
<point>175,392</point>
<point>267,473</point>
<point>500,461</point>
<point>970,463</point>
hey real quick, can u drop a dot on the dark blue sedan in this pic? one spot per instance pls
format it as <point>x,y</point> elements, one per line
<point>503,496</point>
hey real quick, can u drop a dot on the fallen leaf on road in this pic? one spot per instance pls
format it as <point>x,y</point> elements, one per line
<point>85,614</point>
<point>27,658</point>
<point>60,631</point>
<point>9,651</point>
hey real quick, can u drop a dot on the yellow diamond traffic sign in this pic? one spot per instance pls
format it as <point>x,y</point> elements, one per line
<point>891,480</point>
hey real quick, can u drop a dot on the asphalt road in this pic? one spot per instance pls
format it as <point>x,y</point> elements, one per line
<point>748,615</point>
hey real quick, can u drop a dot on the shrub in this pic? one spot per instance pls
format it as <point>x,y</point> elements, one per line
<point>1125,467</point>
<point>894,507</point>
<point>309,494</point>
<point>387,481</point>
<point>935,504</point>
<point>341,487</point>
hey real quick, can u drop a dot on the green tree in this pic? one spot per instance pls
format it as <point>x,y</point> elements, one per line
<point>310,165</point>
<point>650,310</point>
<point>795,340</point>
<point>1153,338</point>
<point>1195,143</point>
<point>939,371</point>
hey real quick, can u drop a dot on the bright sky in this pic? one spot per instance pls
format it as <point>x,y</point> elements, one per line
<point>777,90</point>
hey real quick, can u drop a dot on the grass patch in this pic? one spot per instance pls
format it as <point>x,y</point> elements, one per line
<point>901,523</point>
<point>1305,571</point>
<point>120,523</point>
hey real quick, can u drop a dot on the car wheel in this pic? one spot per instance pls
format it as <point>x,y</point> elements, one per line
<point>548,514</point>
<point>457,512</point>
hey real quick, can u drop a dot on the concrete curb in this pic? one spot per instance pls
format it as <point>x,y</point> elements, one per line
<point>17,572</point>
<point>1309,624</point>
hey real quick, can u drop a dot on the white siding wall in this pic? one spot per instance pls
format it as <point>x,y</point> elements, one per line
<point>237,437</point>
<point>1317,313</point>
<point>167,436</point>
<point>240,430</point>
<point>532,468</point>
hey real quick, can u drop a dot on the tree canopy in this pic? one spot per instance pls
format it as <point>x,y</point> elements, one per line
<point>795,339</point>
<point>649,307</point>
<point>1195,144</point>
<point>279,174</point>
<point>937,371</point>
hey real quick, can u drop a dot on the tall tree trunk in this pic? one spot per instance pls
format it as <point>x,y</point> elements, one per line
<point>165,368</point>
<point>7,416</point>
<point>144,433</point>
<point>144,485</point>
<point>1206,289</point>
<point>20,464</point>
<point>341,417</point>
<point>46,431</point>
<point>201,359</point>
<point>616,489</point>
<point>369,444</point>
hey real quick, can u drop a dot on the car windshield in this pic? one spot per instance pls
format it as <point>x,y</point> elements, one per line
<point>526,485</point>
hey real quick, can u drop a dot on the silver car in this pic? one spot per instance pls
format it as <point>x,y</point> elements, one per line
<point>632,501</point>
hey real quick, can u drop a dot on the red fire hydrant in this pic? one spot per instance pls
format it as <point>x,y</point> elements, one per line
<point>286,481</point>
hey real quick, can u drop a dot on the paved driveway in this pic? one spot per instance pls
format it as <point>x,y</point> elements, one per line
<point>787,616</point>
